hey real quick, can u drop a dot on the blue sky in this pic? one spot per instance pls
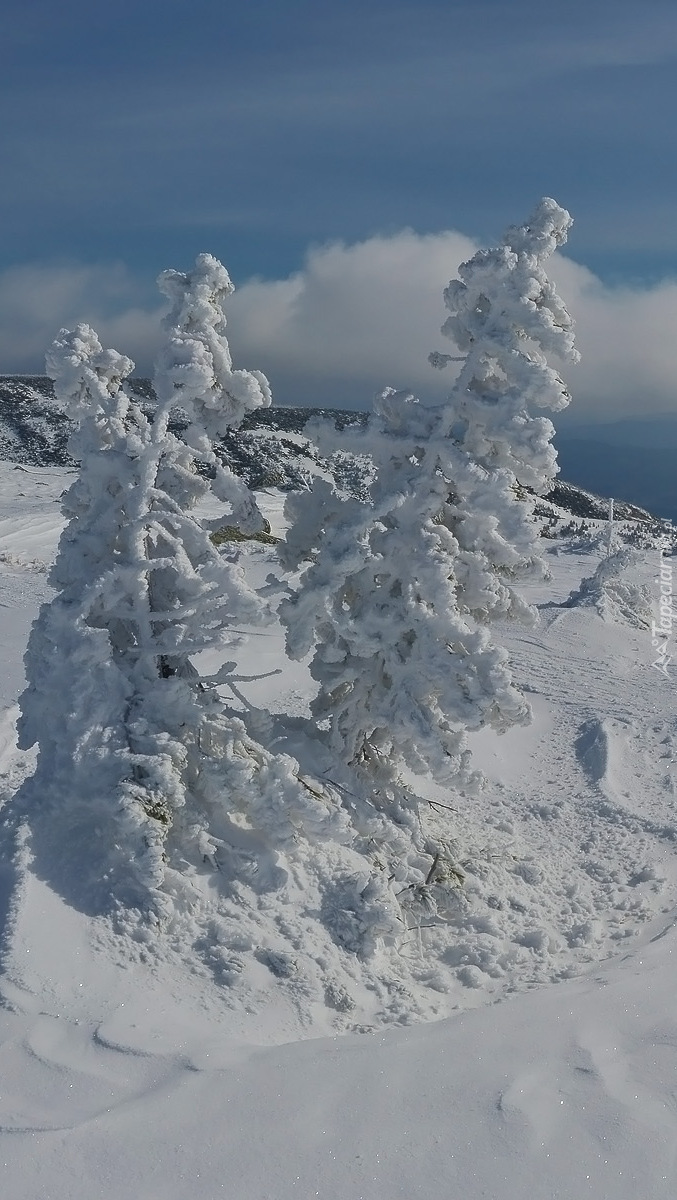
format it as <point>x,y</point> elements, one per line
<point>138,134</point>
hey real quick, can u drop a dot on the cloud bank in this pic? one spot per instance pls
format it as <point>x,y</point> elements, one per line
<point>354,319</point>
<point>38,300</point>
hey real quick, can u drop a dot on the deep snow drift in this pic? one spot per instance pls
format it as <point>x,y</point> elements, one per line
<point>184,1065</point>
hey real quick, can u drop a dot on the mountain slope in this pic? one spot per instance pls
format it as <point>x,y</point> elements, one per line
<point>269,449</point>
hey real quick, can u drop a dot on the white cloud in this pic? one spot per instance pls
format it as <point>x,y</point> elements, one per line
<point>363,316</point>
<point>38,300</point>
<point>356,318</point>
<point>626,337</point>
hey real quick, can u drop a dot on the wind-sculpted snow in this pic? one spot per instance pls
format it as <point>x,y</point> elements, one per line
<point>614,595</point>
<point>565,1092</point>
<point>551,867</point>
<point>140,1063</point>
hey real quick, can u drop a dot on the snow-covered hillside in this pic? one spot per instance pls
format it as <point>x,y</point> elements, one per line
<point>269,449</point>
<point>178,1066</point>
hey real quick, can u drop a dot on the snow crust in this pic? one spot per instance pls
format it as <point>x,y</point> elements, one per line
<point>149,1068</point>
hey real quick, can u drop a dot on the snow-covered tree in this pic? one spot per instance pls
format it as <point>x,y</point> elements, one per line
<point>507,319</point>
<point>615,596</point>
<point>396,597</point>
<point>403,674</point>
<point>78,703</point>
<point>140,590</point>
<point>194,372</point>
<point>150,794</point>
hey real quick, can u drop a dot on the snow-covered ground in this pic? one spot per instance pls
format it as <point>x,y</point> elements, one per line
<point>528,1042</point>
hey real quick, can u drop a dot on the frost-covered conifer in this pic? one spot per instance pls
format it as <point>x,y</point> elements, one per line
<point>194,372</point>
<point>149,793</point>
<point>507,319</point>
<point>113,699</point>
<point>399,591</point>
<point>403,674</point>
<point>78,701</point>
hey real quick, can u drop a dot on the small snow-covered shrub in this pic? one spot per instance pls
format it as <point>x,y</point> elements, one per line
<point>616,598</point>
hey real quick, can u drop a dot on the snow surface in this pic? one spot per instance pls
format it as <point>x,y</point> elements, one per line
<point>540,1053</point>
